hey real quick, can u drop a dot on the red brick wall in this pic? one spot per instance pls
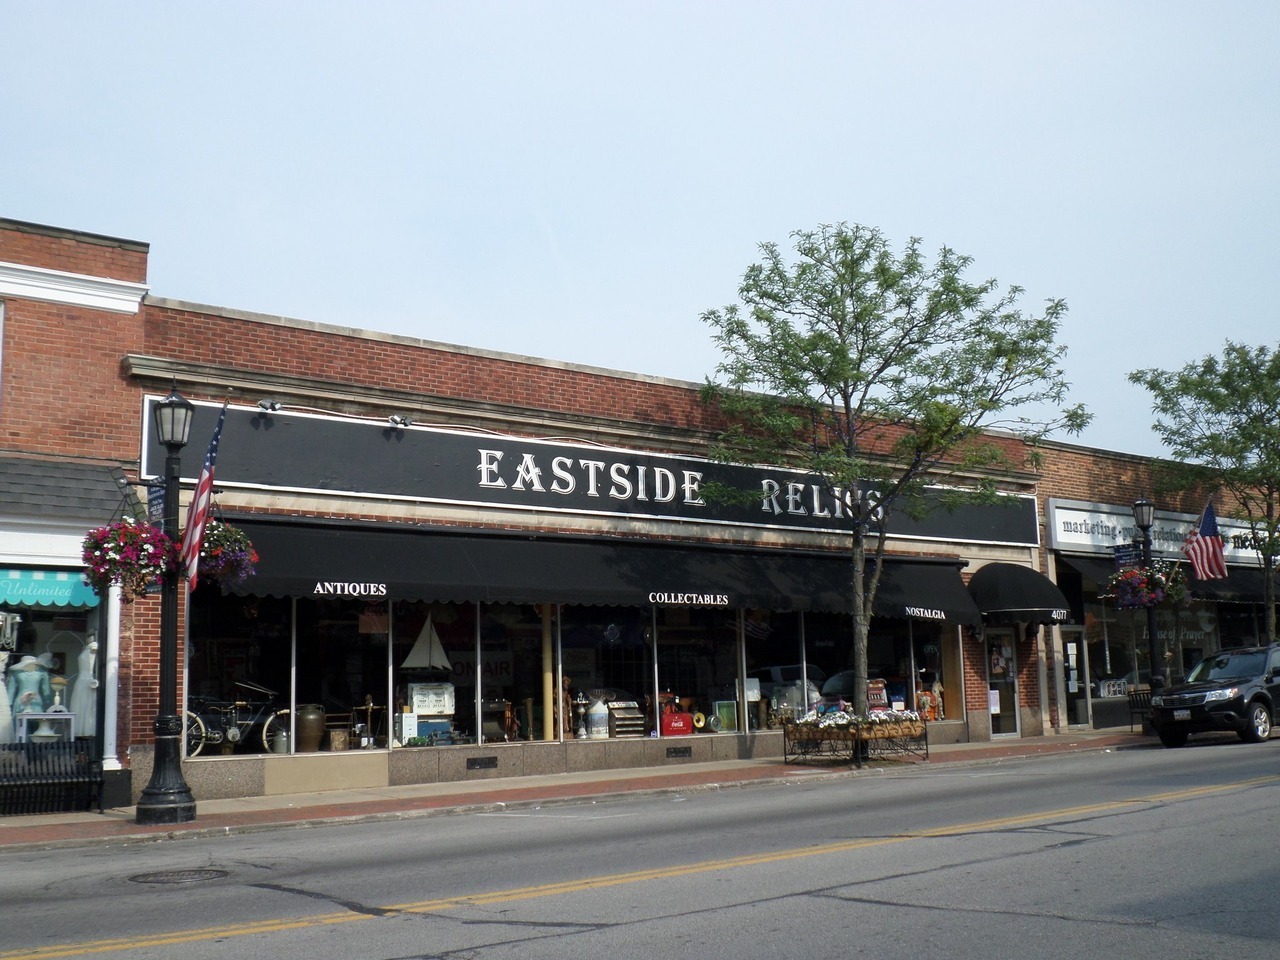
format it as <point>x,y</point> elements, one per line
<point>62,391</point>
<point>52,249</point>
<point>348,360</point>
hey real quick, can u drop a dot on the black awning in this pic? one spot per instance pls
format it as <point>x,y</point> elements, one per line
<point>917,590</point>
<point>1242,585</point>
<point>1011,593</point>
<point>310,559</point>
<point>299,559</point>
<point>1095,569</point>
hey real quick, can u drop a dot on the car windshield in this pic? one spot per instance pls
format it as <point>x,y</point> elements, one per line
<point>1226,666</point>
<point>840,685</point>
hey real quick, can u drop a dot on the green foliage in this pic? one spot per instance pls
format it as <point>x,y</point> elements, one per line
<point>1219,416</point>
<point>880,372</point>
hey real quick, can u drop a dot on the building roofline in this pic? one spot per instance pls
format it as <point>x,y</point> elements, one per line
<point>83,236</point>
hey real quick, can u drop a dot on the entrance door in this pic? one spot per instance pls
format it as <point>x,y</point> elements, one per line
<point>1002,683</point>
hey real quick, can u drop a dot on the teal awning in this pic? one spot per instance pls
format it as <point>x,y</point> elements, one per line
<point>46,588</point>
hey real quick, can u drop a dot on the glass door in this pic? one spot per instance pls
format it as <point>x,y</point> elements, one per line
<point>1002,683</point>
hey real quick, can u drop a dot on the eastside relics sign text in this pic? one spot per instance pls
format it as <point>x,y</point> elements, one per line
<point>317,454</point>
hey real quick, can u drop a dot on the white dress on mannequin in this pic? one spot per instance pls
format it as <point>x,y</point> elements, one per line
<point>6,711</point>
<point>84,692</point>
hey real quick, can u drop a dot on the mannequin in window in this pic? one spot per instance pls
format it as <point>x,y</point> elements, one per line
<point>84,691</point>
<point>6,711</point>
<point>28,685</point>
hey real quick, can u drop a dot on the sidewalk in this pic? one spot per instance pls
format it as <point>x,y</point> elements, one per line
<point>245,814</point>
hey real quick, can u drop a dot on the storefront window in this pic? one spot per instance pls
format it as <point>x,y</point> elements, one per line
<point>47,663</point>
<point>828,643</point>
<point>412,673</point>
<point>510,670</point>
<point>698,664</point>
<point>1120,649</point>
<point>432,656</point>
<point>238,673</point>
<point>608,664</point>
<point>342,667</point>
<point>776,670</point>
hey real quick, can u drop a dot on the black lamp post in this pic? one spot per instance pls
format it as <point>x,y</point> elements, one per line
<point>1144,514</point>
<point>167,798</point>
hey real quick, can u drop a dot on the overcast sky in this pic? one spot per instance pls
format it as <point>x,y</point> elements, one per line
<point>581,180</point>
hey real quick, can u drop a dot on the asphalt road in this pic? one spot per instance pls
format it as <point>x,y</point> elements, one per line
<point>1134,854</point>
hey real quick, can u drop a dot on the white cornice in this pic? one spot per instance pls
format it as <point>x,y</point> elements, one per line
<point>71,289</point>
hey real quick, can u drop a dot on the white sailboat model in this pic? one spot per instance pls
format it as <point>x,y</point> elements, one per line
<point>431,705</point>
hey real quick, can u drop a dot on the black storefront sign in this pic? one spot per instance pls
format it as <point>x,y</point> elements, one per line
<point>309,453</point>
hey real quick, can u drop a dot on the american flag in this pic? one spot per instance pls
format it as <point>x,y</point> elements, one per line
<point>1203,547</point>
<point>198,511</point>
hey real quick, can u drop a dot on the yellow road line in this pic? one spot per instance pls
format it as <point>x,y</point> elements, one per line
<point>201,934</point>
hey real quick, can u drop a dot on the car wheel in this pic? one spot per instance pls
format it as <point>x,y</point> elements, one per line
<point>1173,738</point>
<point>1259,727</point>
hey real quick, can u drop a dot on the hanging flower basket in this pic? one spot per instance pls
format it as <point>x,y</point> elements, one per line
<point>226,553</point>
<point>1140,587</point>
<point>130,553</point>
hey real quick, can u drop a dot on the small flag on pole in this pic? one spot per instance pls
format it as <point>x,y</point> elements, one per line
<point>198,511</point>
<point>1204,548</point>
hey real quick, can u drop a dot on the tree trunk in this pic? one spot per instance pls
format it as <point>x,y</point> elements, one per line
<point>861,624</point>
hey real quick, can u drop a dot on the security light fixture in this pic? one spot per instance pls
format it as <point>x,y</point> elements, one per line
<point>270,406</point>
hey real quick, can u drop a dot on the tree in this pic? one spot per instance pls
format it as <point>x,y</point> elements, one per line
<point>1218,418</point>
<point>879,373</point>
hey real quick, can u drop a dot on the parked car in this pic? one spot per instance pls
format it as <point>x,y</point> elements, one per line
<point>1236,689</point>
<point>784,685</point>
<point>839,688</point>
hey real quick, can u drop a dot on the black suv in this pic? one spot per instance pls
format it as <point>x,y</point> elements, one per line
<point>1236,689</point>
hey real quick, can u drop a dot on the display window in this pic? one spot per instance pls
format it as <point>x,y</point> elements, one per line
<point>279,675</point>
<point>781,683</point>
<point>698,666</point>
<point>48,687</point>
<point>1119,647</point>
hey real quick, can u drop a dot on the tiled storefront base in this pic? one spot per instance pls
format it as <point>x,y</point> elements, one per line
<point>269,775</point>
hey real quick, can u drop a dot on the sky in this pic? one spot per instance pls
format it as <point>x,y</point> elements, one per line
<point>580,180</point>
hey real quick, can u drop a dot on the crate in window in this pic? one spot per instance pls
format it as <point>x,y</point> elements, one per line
<point>626,719</point>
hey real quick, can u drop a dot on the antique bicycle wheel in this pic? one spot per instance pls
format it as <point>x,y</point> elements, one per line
<point>196,733</point>
<point>277,732</point>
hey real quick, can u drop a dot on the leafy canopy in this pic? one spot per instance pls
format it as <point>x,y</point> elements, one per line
<point>1219,417</point>
<point>878,372</point>
<point>871,367</point>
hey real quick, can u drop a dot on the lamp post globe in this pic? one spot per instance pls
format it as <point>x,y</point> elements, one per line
<point>167,798</point>
<point>1144,513</point>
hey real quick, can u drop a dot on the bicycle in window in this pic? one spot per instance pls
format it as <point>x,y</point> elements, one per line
<point>211,721</point>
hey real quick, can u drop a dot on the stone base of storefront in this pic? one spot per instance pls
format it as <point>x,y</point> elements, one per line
<point>948,731</point>
<point>268,775</point>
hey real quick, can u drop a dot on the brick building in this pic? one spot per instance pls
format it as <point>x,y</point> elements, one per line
<point>476,564</point>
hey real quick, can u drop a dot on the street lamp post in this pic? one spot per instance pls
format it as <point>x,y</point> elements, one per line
<point>167,798</point>
<point>1144,512</point>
